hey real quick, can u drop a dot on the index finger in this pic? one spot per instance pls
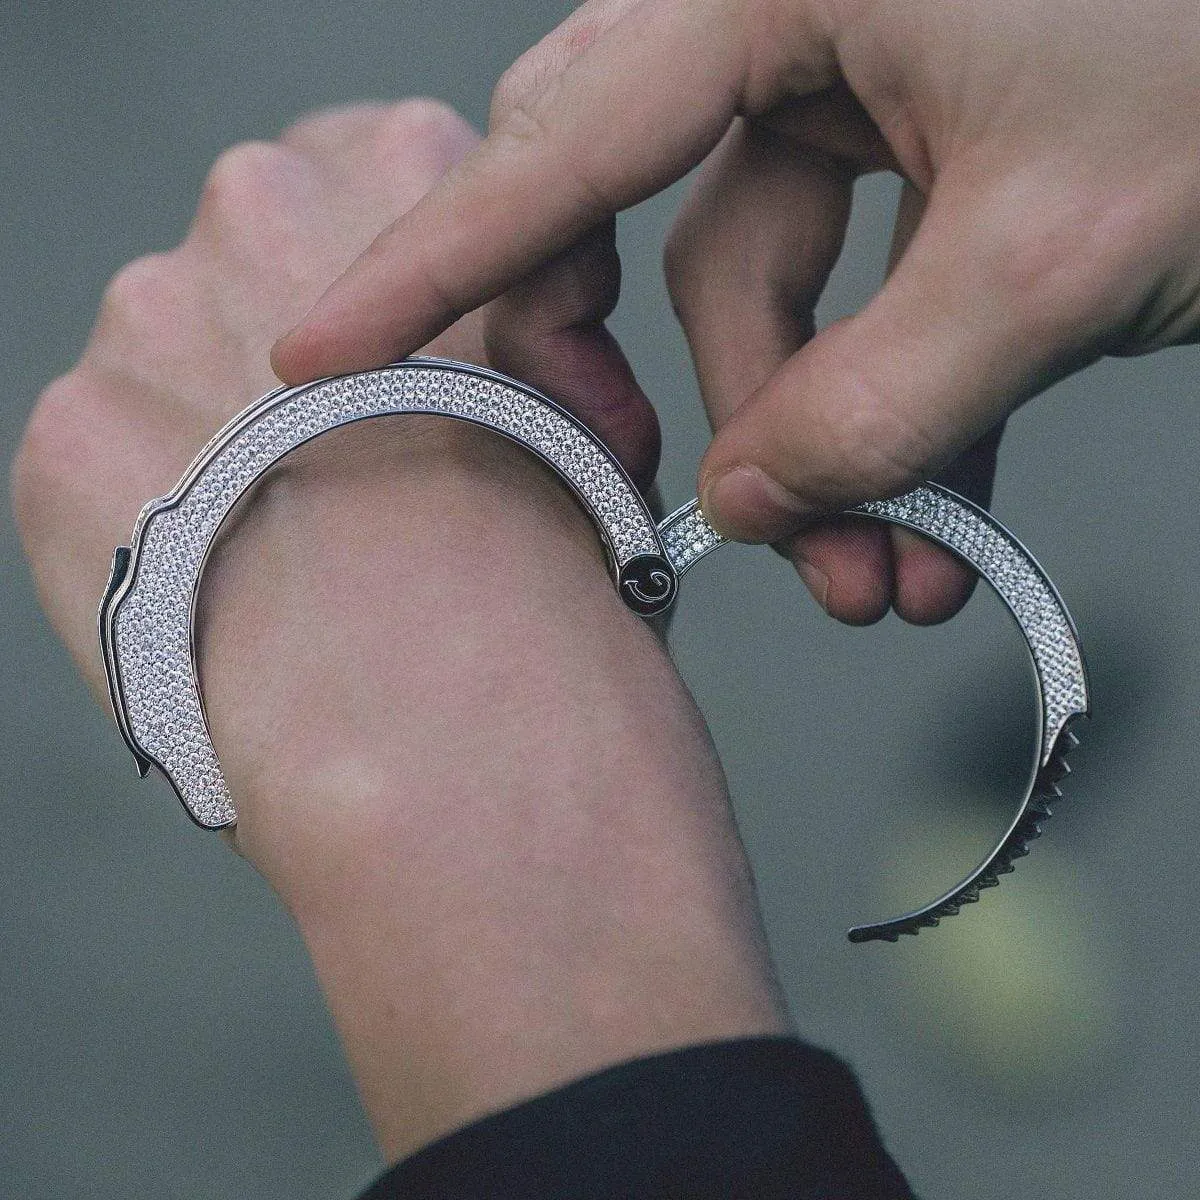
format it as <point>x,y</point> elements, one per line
<point>640,107</point>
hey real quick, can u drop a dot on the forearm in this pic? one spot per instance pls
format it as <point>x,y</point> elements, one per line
<point>501,828</point>
<point>471,774</point>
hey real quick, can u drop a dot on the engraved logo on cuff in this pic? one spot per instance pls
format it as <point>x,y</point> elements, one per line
<point>648,584</point>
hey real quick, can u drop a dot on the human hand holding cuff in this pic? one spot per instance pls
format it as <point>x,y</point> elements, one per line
<point>1049,217</point>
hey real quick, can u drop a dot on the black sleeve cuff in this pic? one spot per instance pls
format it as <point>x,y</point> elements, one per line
<point>758,1118</point>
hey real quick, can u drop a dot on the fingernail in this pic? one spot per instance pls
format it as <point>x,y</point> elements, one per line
<point>746,504</point>
<point>279,352</point>
<point>815,580</point>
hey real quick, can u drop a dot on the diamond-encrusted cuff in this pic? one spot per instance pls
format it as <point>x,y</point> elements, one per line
<point>146,616</point>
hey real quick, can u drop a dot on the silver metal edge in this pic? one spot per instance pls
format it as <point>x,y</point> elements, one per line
<point>1012,844</point>
<point>1024,828</point>
<point>117,574</point>
<point>1050,763</point>
<point>1049,737</point>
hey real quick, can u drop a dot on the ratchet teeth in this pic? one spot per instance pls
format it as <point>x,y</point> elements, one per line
<point>1058,767</point>
<point>1014,845</point>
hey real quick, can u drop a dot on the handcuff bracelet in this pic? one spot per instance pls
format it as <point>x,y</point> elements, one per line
<point>148,609</point>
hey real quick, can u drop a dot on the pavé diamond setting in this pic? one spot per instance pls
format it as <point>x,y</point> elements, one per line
<point>146,614</point>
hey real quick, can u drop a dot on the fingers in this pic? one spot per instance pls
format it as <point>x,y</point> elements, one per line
<point>549,331</point>
<point>847,563</point>
<point>378,160</point>
<point>278,221</point>
<point>746,263</point>
<point>856,568</point>
<point>637,109</point>
<point>748,257</point>
<point>929,583</point>
<point>958,336</point>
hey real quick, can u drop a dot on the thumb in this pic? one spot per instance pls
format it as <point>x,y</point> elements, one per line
<point>977,316</point>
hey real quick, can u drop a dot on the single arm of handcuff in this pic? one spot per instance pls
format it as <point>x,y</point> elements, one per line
<point>147,614</point>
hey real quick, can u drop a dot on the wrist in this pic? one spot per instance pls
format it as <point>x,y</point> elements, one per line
<point>475,779</point>
<point>378,579</point>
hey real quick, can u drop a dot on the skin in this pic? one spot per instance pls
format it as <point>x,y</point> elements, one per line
<point>510,868</point>
<point>1051,156</point>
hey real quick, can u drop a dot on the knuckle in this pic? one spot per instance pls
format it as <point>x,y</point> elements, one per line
<point>340,121</point>
<point>425,118</point>
<point>433,133</point>
<point>48,453</point>
<point>246,177</point>
<point>518,87</point>
<point>872,450</point>
<point>529,76</point>
<point>140,287</point>
<point>418,121</point>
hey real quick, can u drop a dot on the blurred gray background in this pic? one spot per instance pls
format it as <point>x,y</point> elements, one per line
<point>160,1031</point>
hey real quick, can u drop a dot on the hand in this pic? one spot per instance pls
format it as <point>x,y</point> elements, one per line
<point>511,867</point>
<point>1051,150</point>
<point>180,343</point>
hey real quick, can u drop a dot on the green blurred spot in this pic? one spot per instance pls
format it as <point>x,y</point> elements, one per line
<point>1018,988</point>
